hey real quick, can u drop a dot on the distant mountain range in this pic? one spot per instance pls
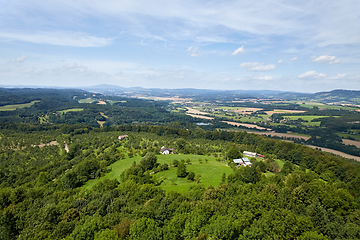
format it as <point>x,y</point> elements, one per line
<point>339,95</point>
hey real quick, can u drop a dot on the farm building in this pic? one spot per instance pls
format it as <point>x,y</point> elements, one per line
<point>249,154</point>
<point>242,161</point>
<point>247,161</point>
<point>165,150</point>
<point>238,161</point>
<point>125,137</point>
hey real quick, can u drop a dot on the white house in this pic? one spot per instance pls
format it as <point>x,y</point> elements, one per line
<point>249,154</point>
<point>126,137</point>
<point>165,150</point>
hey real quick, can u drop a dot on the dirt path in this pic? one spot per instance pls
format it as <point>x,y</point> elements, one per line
<point>336,152</point>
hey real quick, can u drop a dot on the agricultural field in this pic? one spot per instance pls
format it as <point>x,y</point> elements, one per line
<point>17,106</point>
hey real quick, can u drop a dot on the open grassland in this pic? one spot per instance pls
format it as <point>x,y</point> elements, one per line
<point>16,106</point>
<point>254,119</point>
<point>306,118</point>
<point>70,110</point>
<point>211,172</point>
<point>112,102</point>
<point>344,135</point>
<point>87,100</point>
<point>116,169</point>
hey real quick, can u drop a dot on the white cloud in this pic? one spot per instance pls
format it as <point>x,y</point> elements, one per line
<point>20,59</point>
<point>189,49</point>
<point>312,74</point>
<point>195,53</point>
<point>61,38</point>
<point>293,59</point>
<point>280,61</point>
<point>255,66</point>
<point>325,59</point>
<point>239,50</point>
<point>264,78</point>
<point>339,76</point>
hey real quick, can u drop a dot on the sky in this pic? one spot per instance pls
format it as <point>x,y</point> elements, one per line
<point>301,46</point>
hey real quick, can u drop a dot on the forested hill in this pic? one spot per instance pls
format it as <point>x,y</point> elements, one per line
<point>58,106</point>
<point>9,96</point>
<point>313,195</point>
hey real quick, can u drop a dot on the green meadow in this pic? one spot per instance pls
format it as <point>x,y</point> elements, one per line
<point>70,110</point>
<point>87,100</point>
<point>211,172</point>
<point>16,106</point>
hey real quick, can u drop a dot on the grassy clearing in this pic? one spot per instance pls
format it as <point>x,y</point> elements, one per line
<point>87,100</point>
<point>210,172</point>
<point>344,135</point>
<point>16,106</point>
<point>112,102</point>
<point>70,110</point>
<point>116,169</point>
<point>306,118</point>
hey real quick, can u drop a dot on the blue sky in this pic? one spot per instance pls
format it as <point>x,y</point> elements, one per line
<point>303,46</point>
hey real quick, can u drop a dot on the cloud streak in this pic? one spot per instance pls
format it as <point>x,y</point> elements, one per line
<point>20,59</point>
<point>312,74</point>
<point>238,51</point>
<point>255,66</point>
<point>71,39</point>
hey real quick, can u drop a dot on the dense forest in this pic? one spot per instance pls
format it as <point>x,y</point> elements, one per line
<point>57,106</point>
<point>314,195</point>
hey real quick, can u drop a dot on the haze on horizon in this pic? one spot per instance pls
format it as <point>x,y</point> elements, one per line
<point>302,46</point>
